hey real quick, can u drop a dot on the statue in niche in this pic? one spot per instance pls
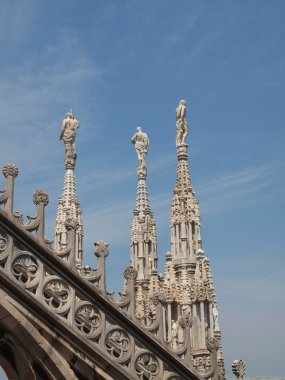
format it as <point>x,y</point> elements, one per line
<point>186,309</point>
<point>181,123</point>
<point>215,316</point>
<point>141,141</point>
<point>180,337</point>
<point>68,133</point>
<point>174,333</point>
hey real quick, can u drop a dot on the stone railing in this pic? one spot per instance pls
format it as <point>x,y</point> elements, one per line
<point>73,299</point>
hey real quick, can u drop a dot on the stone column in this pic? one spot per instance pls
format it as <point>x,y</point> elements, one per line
<point>169,321</point>
<point>211,319</point>
<point>203,337</point>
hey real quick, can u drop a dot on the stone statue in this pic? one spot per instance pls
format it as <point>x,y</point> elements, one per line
<point>141,141</point>
<point>174,333</point>
<point>181,123</point>
<point>68,133</point>
<point>215,316</point>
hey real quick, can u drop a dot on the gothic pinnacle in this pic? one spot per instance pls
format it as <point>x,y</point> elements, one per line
<point>69,205</point>
<point>143,228</point>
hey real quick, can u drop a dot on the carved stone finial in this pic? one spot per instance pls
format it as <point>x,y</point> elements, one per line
<point>186,321</point>
<point>213,344</point>
<point>181,123</point>
<point>141,141</point>
<point>130,273</point>
<point>40,196</point>
<point>10,170</point>
<point>101,249</point>
<point>68,134</point>
<point>158,298</point>
<point>238,368</point>
<point>71,224</point>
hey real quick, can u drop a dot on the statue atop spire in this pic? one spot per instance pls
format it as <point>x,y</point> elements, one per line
<point>67,134</point>
<point>181,123</point>
<point>141,141</point>
<point>143,228</point>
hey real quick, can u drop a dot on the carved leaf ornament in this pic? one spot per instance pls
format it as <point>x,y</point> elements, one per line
<point>10,170</point>
<point>40,197</point>
<point>238,368</point>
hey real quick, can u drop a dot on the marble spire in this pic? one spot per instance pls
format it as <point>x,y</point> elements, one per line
<point>143,228</point>
<point>185,213</point>
<point>188,278</point>
<point>68,204</point>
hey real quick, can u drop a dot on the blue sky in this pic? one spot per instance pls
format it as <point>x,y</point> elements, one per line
<point>123,64</point>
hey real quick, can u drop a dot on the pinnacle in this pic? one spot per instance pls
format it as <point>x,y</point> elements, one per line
<point>68,203</point>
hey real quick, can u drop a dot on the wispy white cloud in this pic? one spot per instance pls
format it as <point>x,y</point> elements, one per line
<point>237,188</point>
<point>35,94</point>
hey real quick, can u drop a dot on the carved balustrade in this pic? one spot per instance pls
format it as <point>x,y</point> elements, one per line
<point>78,303</point>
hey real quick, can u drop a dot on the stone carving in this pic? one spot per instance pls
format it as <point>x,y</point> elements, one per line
<point>87,319</point>
<point>101,249</point>
<point>147,367</point>
<point>202,364</point>
<point>201,293</point>
<point>177,333</point>
<point>56,294</point>
<point>174,333</point>
<point>157,298</point>
<point>130,273</point>
<point>24,268</point>
<point>40,196</point>
<point>141,141</point>
<point>181,123</point>
<point>10,170</point>
<point>117,343</point>
<point>213,344</point>
<point>186,321</point>
<point>238,368</point>
<point>3,241</point>
<point>68,133</point>
<point>215,316</point>
<point>71,224</point>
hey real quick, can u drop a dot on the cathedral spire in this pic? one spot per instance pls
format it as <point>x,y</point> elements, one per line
<point>143,228</point>
<point>68,204</point>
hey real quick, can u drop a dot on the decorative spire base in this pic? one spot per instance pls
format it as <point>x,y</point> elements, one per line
<point>182,153</point>
<point>70,162</point>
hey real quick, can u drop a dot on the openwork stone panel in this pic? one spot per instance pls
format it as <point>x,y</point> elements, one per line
<point>82,315</point>
<point>3,247</point>
<point>118,344</point>
<point>56,294</point>
<point>25,269</point>
<point>147,366</point>
<point>88,320</point>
